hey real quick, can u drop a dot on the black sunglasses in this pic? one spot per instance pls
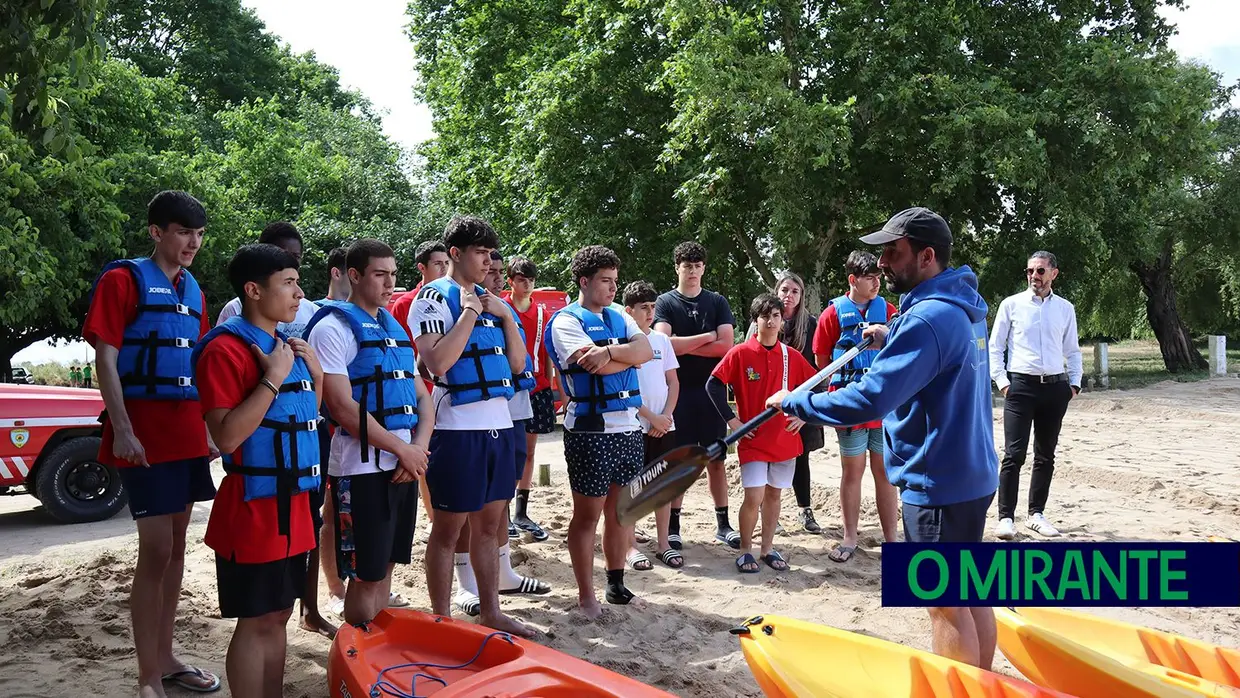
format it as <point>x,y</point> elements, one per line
<point>1041,271</point>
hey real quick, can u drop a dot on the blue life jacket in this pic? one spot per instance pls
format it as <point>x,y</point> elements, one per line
<point>594,395</point>
<point>382,374</point>
<point>281,458</point>
<point>153,361</point>
<point>482,371</point>
<point>852,322</point>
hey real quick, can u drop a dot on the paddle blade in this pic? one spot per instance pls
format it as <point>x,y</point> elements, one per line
<point>663,480</point>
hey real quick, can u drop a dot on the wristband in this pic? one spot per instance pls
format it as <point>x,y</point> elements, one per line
<point>609,353</point>
<point>270,386</point>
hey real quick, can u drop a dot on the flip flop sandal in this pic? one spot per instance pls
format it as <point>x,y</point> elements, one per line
<point>672,558</point>
<point>529,585</point>
<point>470,606</point>
<point>177,677</point>
<point>638,561</point>
<point>641,536</point>
<point>674,541</point>
<point>513,533</point>
<point>396,600</point>
<point>775,561</point>
<point>731,537</point>
<point>745,561</point>
<point>842,553</point>
<point>533,529</point>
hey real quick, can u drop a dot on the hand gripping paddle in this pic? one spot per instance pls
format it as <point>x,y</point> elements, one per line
<point>674,472</point>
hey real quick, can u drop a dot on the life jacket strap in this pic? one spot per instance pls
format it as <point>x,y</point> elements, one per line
<point>297,386</point>
<point>385,343</point>
<point>398,374</point>
<point>178,308</point>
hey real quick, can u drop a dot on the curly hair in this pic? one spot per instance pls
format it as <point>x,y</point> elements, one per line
<point>592,259</point>
<point>689,251</point>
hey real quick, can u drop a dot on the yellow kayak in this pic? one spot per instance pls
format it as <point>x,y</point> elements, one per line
<point>1052,660</point>
<point>794,659</point>
<point>1124,640</point>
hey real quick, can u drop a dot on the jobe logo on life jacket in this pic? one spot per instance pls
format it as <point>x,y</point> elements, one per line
<point>159,289</point>
<point>599,328</point>
<point>371,326</point>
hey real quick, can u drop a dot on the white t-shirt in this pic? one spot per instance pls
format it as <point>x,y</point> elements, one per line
<point>520,407</point>
<point>297,328</point>
<point>652,376</point>
<point>431,315</point>
<point>336,345</point>
<point>569,337</point>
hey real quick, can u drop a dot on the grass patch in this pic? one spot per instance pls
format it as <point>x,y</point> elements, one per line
<point>1137,363</point>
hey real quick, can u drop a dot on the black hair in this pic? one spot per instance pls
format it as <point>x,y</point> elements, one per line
<point>422,255</point>
<point>639,292</point>
<point>464,231</point>
<point>522,266</point>
<point>592,259</point>
<point>689,251</point>
<point>942,253</point>
<point>362,251</point>
<point>765,304</point>
<point>861,263</point>
<point>257,262</point>
<point>171,206</point>
<point>338,259</point>
<point>1048,256</point>
<point>279,231</point>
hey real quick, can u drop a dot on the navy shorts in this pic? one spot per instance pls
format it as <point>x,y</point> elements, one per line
<point>167,488</point>
<point>543,404</point>
<point>963,522</point>
<point>469,469</point>
<point>598,461</point>
<point>254,590</point>
<point>520,427</point>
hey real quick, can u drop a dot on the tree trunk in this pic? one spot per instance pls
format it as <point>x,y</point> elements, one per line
<point>1161,310</point>
<point>810,260</point>
<point>755,258</point>
<point>6,364</point>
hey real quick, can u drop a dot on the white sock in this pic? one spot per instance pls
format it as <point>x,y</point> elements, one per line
<point>465,574</point>
<point>508,577</point>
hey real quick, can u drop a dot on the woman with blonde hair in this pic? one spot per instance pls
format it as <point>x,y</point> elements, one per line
<point>798,333</point>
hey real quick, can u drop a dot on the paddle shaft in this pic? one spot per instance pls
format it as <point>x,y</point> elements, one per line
<point>810,384</point>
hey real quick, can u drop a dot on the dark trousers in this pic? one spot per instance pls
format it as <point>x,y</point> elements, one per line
<point>800,480</point>
<point>1030,403</point>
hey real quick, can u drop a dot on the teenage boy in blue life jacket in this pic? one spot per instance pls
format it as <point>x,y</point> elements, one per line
<point>930,384</point>
<point>146,315</point>
<point>384,418</point>
<point>260,391</point>
<point>597,350</point>
<point>469,340</point>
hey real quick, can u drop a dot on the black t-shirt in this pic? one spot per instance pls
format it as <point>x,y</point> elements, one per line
<point>692,316</point>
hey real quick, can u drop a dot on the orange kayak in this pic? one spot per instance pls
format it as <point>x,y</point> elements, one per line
<point>410,654</point>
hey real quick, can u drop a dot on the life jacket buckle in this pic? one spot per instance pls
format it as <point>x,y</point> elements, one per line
<point>182,309</point>
<point>506,383</point>
<point>306,385</point>
<point>398,374</point>
<point>407,409</point>
<point>180,343</point>
<point>314,470</point>
<point>312,425</point>
<point>389,342</point>
<point>499,351</point>
<point>486,322</point>
<point>623,394</point>
<point>184,381</point>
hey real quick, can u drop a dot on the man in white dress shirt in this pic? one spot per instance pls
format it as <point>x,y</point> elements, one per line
<point>1042,374</point>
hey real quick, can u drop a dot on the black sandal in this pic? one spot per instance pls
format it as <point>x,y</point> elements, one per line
<point>672,558</point>
<point>745,561</point>
<point>774,560</point>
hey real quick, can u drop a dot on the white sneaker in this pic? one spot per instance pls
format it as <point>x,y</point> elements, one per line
<point>1006,529</point>
<point>1038,523</point>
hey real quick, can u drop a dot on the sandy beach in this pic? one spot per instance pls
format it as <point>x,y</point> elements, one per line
<point>1159,463</point>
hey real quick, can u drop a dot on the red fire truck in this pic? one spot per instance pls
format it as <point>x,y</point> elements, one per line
<point>49,444</point>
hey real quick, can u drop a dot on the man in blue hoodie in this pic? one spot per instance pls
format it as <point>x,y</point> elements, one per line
<point>930,384</point>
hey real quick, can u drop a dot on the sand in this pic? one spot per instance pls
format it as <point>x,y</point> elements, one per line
<point>1158,463</point>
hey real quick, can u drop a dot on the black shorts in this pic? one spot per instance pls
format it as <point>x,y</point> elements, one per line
<point>543,421</point>
<point>656,446</point>
<point>167,488</point>
<point>963,522</point>
<point>598,461</point>
<point>374,524</point>
<point>697,420</point>
<point>317,497</point>
<point>253,590</point>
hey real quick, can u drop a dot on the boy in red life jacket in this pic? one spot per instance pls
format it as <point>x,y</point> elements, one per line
<point>260,393</point>
<point>755,370</point>
<point>145,316</point>
<point>839,328</point>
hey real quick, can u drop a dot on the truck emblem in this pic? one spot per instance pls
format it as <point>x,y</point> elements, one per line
<point>19,437</point>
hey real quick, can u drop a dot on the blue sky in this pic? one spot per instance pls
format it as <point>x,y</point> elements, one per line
<point>368,45</point>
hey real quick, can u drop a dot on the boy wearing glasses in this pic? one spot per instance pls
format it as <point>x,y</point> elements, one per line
<point>839,329</point>
<point>1038,330</point>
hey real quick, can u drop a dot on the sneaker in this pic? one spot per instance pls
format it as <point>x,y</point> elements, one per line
<point>1038,522</point>
<point>1006,529</point>
<point>806,517</point>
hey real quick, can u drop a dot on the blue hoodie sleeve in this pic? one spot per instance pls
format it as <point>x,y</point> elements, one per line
<point>905,365</point>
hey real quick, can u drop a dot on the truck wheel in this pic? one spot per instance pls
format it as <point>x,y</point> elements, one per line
<point>75,487</point>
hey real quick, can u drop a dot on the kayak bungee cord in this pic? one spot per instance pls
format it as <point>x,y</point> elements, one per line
<point>382,686</point>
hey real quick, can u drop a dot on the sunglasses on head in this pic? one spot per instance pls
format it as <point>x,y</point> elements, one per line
<point>1040,271</point>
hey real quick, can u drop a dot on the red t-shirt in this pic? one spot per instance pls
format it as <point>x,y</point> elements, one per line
<point>169,430</point>
<point>756,373</point>
<point>534,345</point>
<point>399,308</point>
<point>827,334</point>
<point>246,532</point>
